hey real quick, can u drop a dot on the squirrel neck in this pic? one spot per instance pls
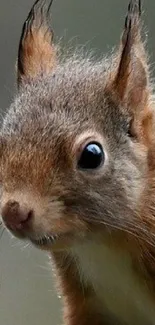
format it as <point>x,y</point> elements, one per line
<point>101,286</point>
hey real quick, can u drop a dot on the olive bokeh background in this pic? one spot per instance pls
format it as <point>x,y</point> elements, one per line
<point>27,292</point>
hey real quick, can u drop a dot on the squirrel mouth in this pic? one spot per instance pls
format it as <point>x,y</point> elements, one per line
<point>58,241</point>
<point>45,240</point>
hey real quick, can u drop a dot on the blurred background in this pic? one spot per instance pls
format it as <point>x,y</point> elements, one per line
<point>27,291</point>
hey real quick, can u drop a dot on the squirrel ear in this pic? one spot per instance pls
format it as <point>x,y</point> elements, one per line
<point>132,76</point>
<point>36,52</point>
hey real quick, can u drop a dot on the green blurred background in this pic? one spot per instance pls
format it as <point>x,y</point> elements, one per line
<point>27,293</point>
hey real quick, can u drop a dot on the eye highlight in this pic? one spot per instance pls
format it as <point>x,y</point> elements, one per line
<point>91,157</point>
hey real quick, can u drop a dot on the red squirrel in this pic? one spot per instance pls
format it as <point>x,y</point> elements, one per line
<point>77,166</point>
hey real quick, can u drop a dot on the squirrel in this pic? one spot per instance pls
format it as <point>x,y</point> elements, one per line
<point>77,168</point>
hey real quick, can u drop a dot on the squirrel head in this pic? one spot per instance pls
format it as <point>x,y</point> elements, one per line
<point>77,141</point>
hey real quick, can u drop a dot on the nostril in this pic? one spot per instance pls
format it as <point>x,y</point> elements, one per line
<point>28,217</point>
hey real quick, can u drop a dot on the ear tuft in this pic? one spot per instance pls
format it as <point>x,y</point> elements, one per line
<point>36,54</point>
<point>132,60</point>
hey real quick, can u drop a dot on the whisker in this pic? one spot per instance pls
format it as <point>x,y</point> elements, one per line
<point>2,232</point>
<point>130,232</point>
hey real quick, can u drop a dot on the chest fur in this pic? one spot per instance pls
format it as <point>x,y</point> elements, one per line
<point>115,283</point>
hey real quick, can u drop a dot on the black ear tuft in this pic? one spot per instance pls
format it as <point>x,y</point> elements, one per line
<point>132,22</point>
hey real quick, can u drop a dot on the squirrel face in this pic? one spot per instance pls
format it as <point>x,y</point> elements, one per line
<point>76,144</point>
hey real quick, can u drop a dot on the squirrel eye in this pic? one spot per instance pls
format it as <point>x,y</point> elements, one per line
<point>92,156</point>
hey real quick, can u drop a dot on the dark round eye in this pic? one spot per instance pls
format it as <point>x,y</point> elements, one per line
<point>92,156</point>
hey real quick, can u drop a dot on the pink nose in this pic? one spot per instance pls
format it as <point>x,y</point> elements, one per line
<point>15,216</point>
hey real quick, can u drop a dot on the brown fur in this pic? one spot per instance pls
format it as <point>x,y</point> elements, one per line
<point>61,105</point>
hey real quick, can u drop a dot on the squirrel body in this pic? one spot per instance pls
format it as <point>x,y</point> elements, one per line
<point>77,171</point>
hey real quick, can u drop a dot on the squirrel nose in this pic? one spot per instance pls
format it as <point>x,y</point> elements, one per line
<point>16,217</point>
